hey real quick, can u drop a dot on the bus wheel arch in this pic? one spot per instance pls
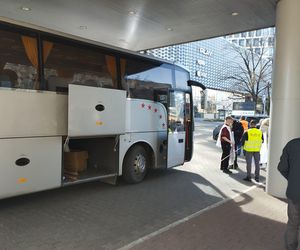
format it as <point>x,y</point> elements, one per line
<point>137,161</point>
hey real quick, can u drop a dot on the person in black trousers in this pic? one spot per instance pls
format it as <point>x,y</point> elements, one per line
<point>238,131</point>
<point>290,169</point>
<point>226,143</point>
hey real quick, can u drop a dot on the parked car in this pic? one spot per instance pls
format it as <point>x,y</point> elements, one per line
<point>257,118</point>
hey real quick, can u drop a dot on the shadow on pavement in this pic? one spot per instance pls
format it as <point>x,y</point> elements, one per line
<point>102,215</point>
<point>238,224</point>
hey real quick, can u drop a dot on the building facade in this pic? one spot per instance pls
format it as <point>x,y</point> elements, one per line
<point>211,61</point>
<point>262,41</point>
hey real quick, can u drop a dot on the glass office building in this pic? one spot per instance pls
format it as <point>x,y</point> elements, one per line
<point>259,40</point>
<point>211,61</point>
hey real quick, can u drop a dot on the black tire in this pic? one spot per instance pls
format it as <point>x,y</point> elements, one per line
<point>135,164</point>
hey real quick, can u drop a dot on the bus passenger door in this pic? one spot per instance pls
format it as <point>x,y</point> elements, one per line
<point>176,129</point>
<point>189,128</point>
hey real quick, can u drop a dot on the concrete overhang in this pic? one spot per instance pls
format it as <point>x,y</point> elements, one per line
<point>143,24</point>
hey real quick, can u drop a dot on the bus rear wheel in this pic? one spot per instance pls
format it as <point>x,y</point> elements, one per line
<point>135,165</point>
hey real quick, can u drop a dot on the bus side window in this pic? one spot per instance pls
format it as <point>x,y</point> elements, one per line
<point>141,78</point>
<point>54,83</point>
<point>70,64</point>
<point>8,78</point>
<point>18,61</point>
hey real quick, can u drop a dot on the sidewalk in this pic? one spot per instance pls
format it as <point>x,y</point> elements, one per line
<point>252,220</point>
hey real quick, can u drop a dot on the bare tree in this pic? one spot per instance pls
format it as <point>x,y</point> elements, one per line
<point>249,72</point>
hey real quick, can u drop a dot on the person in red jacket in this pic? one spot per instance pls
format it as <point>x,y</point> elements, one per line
<point>227,143</point>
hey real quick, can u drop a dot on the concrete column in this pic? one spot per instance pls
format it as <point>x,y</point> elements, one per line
<point>285,109</point>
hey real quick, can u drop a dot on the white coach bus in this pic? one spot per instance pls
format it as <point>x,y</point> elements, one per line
<point>74,111</point>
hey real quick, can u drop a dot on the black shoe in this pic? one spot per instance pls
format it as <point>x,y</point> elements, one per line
<point>256,179</point>
<point>227,171</point>
<point>247,179</point>
<point>235,166</point>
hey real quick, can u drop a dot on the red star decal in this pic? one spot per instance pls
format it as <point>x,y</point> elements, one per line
<point>149,107</point>
<point>143,105</point>
<point>155,110</point>
<point>160,117</point>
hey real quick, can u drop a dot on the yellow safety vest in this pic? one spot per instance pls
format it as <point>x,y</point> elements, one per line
<point>254,142</point>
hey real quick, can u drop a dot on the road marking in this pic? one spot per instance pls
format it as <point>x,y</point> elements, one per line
<point>176,223</point>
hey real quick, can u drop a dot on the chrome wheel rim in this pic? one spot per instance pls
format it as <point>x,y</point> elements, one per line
<point>139,164</point>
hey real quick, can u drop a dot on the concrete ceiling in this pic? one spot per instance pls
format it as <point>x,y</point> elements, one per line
<point>143,24</point>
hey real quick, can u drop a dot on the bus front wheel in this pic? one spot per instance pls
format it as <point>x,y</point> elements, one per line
<point>135,164</point>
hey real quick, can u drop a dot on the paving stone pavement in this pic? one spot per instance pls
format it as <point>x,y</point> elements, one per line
<point>101,216</point>
<point>251,221</point>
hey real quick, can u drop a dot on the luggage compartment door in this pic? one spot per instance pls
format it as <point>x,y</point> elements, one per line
<point>29,165</point>
<point>95,111</point>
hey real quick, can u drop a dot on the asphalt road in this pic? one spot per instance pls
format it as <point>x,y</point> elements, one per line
<point>101,216</point>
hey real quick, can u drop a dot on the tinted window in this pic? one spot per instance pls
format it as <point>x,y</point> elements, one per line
<point>270,41</point>
<point>248,42</point>
<point>176,112</point>
<point>142,78</point>
<point>187,107</point>
<point>258,33</point>
<point>67,64</point>
<point>181,78</point>
<point>256,42</point>
<point>242,42</point>
<point>18,61</point>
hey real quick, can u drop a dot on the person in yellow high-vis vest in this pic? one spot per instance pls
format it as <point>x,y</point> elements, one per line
<point>252,141</point>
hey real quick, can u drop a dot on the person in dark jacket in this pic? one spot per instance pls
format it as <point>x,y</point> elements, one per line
<point>290,169</point>
<point>238,131</point>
